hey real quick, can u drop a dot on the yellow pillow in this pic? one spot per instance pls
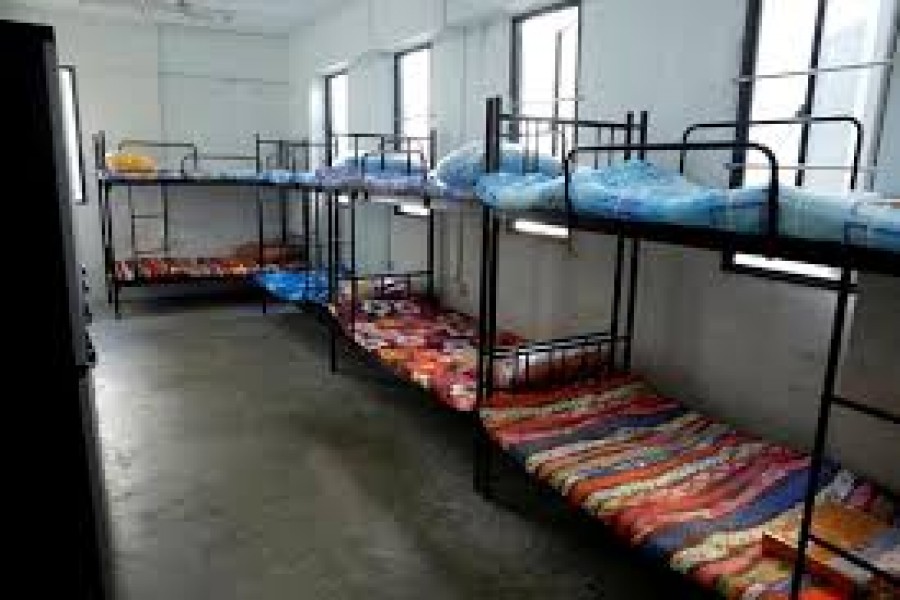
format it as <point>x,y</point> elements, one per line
<point>126,162</point>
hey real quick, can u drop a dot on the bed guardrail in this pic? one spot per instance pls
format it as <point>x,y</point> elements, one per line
<point>550,363</point>
<point>383,143</point>
<point>385,286</point>
<point>743,128</point>
<point>561,134</point>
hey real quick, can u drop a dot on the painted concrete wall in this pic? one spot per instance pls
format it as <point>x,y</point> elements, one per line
<point>748,350</point>
<point>175,83</point>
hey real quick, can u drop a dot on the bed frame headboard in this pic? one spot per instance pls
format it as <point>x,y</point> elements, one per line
<point>555,136</point>
<point>742,131</point>
<point>420,151</point>
<point>292,155</point>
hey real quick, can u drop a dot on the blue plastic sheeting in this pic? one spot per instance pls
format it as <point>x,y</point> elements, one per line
<point>876,224</point>
<point>639,191</point>
<point>464,166</point>
<point>521,192</point>
<point>396,163</point>
<point>289,286</point>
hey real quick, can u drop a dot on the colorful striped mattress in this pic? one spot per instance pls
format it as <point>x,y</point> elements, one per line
<point>422,342</point>
<point>681,487</point>
<point>162,269</point>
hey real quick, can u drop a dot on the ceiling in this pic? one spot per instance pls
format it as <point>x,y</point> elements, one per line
<point>268,15</point>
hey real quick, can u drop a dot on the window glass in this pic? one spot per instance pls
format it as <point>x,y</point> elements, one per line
<point>414,72</point>
<point>338,111</point>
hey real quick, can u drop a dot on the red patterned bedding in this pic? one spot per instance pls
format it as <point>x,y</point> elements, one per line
<point>161,269</point>
<point>679,486</point>
<point>432,346</point>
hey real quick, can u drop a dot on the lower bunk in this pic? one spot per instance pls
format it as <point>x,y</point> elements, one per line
<point>170,269</point>
<point>436,347</point>
<point>418,340</point>
<point>712,502</point>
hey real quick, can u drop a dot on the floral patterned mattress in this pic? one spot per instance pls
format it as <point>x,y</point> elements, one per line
<point>681,487</point>
<point>161,269</point>
<point>423,342</point>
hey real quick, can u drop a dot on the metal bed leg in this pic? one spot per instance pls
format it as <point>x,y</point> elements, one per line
<point>333,279</point>
<point>117,302</point>
<point>818,453</point>
<point>430,251</point>
<point>616,302</point>
<point>632,302</point>
<point>480,446</point>
<point>261,245</point>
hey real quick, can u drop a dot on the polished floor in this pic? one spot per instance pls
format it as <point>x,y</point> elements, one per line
<point>239,467</point>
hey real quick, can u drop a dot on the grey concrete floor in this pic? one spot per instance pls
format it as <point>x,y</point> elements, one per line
<point>238,467</point>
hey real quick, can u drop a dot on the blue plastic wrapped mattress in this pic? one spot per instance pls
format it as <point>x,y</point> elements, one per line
<point>463,167</point>
<point>639,191</point>
<point>295,286</point>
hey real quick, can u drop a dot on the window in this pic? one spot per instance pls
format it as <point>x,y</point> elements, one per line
<point>72,133</point>
<point>412,88</point>
<point>337,112</point>
<point>545,78</point>
<point>813,57</point>
<point>545,51</point>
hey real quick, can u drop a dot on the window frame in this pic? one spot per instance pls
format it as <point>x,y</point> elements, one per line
<point>515,64</point>
<point>515,80</point>
<point>76,112</point>
<point>398,83</point>
<point>749,55</point>
<point>329,116</point>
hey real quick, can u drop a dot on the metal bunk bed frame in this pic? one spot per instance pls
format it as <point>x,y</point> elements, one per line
<point>285,157</point>
<point>847,258</point>
<point>107,182</point>
<point>387,143</point>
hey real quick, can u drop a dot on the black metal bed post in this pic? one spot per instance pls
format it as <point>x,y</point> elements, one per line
<point>635,256</point>
<point>165,220</point>
<point>818,454</point>
<point>332,281</point>
<point>429,282</point>
<point>260,226</point>
<point>260,233</point>
<point>644,132</point>
<point>629,133</point>
<point>306,201</point>
<point>616,309</point>
<point>354,195</point>
<point>283,192</point>
<point>432,152</point>
<point>486,308</point>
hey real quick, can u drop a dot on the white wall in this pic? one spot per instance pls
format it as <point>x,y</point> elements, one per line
<point>751,351</point>
<point>174,83</point>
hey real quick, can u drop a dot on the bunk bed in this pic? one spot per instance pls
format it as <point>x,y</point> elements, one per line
<point>393,318</point>
<point>397,318</point>
<point>288,165</point>
<point>133,167</point>
<point>734,513</point>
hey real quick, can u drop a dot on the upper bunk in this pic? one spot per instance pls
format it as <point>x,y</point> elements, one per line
<point>617,186</point>
<point>146,163</point>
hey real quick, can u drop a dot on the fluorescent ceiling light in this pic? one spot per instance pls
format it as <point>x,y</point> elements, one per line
<point>413,210</point>
<point>537,228</point>
<point>787,266</point>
